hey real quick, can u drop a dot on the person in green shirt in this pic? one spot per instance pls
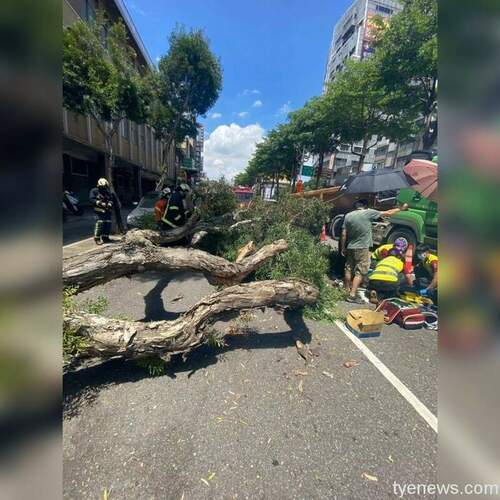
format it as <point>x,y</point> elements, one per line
<point>356,241</point>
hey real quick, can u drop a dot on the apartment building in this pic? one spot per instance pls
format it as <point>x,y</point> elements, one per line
<point>352,39</point>
<point>138,152</point>
<point>199,144</point>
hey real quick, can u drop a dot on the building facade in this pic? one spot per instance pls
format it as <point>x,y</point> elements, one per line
<point>199,144</point>
<point>352,39</point>
<point>138,152</point>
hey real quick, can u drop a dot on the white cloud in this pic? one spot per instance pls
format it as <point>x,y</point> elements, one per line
<point>257,103</point>
<point>250,91</point>
<point>285,109</point>
<point>242,114</point>
<point>158,58</point>
<point>215,116</point>
<point>228,149</point>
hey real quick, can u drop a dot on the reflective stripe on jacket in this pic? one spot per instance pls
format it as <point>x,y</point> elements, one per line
<point>174,212</point>
<point>428,263</point>
<point>382,251</point>
<point>387,269</point>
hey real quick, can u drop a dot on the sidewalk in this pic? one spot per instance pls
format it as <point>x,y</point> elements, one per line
<point>77,228</point>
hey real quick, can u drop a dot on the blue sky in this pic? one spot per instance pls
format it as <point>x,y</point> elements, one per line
<point>273,55</point>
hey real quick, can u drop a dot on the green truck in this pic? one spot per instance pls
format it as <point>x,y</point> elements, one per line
<point>417,225</point>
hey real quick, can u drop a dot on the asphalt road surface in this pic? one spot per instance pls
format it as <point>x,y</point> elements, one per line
<point>250,421</point>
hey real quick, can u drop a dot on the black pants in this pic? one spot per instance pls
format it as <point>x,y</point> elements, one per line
<point>102,225</point>
<point>384,289</point>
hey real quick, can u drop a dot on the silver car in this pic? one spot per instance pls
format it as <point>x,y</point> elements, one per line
<point>145,206</point>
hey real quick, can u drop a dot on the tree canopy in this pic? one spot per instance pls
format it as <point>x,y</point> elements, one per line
<point>101,79</point>
<point>392,94</point>
<point>364,109</point>
<point>187,84</point>
<point>317,128</point>
<point>406,57</point>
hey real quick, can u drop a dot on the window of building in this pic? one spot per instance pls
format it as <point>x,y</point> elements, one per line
<point>345,147</point>
<point>384,10</point>
<point>79,167</point>
<point>340,162</point>
<point>357,149</point>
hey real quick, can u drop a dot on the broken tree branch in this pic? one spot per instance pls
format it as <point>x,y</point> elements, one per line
<point>148,237</point>
<point>104,264</point>
<point>193,226</point>
<point>106,338</point>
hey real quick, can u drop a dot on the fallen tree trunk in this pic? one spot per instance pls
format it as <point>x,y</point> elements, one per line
<point>106,338</point>
<point>106,263</point>
<point>148,237</point>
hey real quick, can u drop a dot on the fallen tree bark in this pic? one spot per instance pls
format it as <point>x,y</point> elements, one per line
<point>105,338</point>
<point>148,237</point>
<point>104,264</point>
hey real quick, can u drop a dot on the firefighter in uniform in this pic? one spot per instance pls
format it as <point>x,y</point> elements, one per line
<point>174,215</point>
<point>161,206</point>
<point>187,199</point>
<point>104,203</point>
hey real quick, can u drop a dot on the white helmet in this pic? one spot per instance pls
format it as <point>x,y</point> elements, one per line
<point>184,187</point>
<point>165,192</point>
<point>102,182</point>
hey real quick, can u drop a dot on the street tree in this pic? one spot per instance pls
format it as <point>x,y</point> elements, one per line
<point>101,78</point>
<point>288,150</point>
<point>363,109</point>
<point>187,85</point>
<point>316,129</point>
<point>406,55</point>
<point>244,178</point>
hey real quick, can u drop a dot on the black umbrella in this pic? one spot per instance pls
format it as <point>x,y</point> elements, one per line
<point>376,181</point>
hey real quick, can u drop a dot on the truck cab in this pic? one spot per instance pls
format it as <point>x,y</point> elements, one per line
<point>418,224</point>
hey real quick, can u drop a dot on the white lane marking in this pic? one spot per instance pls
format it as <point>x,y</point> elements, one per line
<point>78,242</point>
<point>420,408</point>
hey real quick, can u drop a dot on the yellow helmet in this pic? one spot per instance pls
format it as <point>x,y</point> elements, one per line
<point>102,182</point>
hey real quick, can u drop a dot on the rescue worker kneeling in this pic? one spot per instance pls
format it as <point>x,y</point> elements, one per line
<point>387,276</point>
<point>425,278</point>
<point>383,251</point>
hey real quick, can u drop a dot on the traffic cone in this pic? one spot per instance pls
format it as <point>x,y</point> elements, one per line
<point>323,234</point>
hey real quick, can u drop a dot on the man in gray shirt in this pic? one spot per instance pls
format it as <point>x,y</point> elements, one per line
<point>356,241</point>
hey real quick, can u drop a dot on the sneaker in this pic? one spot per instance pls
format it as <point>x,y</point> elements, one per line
<point>98,241</point>
<point>105,239</point>
<point>355,300</point>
